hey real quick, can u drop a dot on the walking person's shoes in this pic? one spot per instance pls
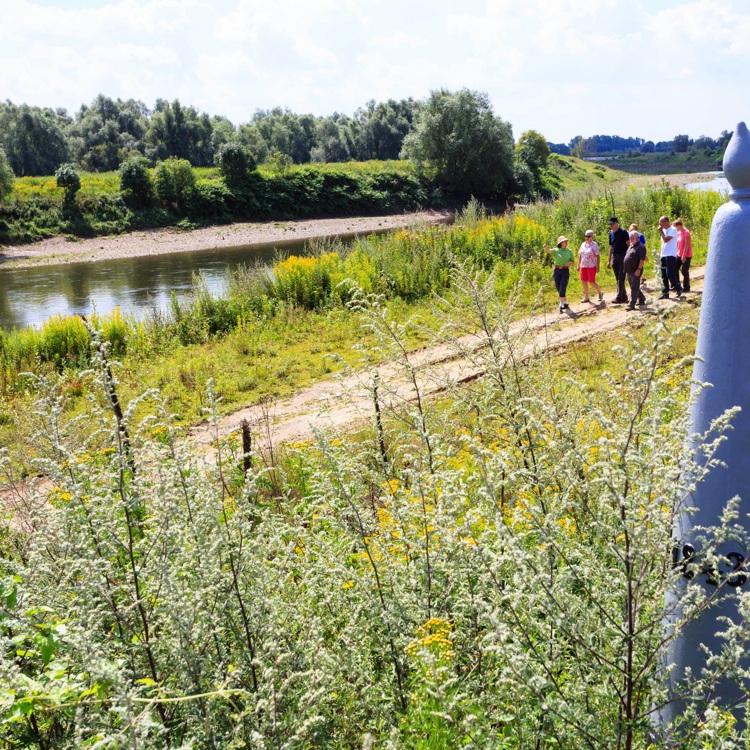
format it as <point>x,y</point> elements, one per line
<point>601,296</point>
<point>664,296</point>
<point>565,306</point>
<point>630,307</point>
<point>642,301</point>
<point>585,299</point>
<point>561,308</point>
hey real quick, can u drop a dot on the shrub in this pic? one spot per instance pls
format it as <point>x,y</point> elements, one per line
<point>235,163</point>
<point>174,180</point>
<point>6,176</point>
<point>67,177</point>
<point>135,180</point>
<point>209,200</point>
<point>64,341</point>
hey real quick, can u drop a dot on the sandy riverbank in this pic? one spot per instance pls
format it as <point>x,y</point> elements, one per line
<point>161,241</point>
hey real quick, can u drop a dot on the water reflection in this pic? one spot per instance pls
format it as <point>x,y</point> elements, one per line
<point>28,296</point>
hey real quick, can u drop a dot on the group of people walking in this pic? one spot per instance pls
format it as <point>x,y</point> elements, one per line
<point>627,259</point>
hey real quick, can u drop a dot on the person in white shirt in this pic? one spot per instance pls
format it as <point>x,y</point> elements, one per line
<point>668,255</point>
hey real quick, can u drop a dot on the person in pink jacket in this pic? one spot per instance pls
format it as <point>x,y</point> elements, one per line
<point>684,252</point>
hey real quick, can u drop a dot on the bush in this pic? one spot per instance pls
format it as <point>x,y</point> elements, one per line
<point>174,181</point>
<point>235,163</point>
<point>210,200</point>
<point>67,177</point>
<point>135,180</point>
<point>6,176</point>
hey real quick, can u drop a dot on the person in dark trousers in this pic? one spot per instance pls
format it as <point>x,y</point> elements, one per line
<point>562,258</point>
<point>684,252</point>
<point>633,263</point>
<point>668,256</point>
<point>619,241</point>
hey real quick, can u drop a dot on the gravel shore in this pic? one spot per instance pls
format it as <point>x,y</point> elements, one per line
<point>160,241</point>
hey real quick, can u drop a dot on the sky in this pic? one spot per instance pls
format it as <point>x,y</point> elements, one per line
<point>648,68</point>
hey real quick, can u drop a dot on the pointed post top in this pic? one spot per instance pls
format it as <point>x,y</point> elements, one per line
<point>737,161</point>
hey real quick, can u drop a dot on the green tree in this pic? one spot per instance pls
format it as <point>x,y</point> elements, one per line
<point>383,127</point>
<point>533,149</point>
<point>104,133</point>
<point>135,180</point>
<point>681,143</point>
<point>252,139</point>
<point>182,132</point>
<point>235,163</point>
<point>67,177</point>
<point>285,131</point>
<point>459,141</point>
<point>6,176</point>
<point>578,147</point>
<point>174,181</point>
<point>331,139</point>
<point>33,138</point>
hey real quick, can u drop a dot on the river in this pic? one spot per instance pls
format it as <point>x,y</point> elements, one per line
<point>718,182</point>
<point>30,295</point>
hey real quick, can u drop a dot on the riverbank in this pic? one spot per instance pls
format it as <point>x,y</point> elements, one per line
<point>57,250</point>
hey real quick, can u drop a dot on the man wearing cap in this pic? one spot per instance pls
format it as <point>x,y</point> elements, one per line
<point>562,257</point>
<point>619,241</point>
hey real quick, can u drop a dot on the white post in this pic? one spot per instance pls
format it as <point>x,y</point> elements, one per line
<point>723,352</point>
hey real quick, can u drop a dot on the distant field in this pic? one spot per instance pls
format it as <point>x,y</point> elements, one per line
<point>666,163</point>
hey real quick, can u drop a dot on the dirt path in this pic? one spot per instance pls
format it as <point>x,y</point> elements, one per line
<point>161,241</point>
<point>342,402</point>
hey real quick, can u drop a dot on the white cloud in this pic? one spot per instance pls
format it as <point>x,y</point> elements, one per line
<point>593,66</point>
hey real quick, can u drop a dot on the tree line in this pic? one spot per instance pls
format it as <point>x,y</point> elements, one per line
<point>102,135</point>
<point>615,144</point>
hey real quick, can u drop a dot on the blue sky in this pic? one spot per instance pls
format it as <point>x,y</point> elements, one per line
<point>652,68</point>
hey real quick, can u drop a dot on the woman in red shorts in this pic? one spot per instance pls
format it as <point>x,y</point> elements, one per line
<point>588,266</point>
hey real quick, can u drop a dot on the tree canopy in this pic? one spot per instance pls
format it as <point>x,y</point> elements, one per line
<point>458,139</point>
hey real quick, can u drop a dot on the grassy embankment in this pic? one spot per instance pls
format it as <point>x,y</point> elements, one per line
<point>36,209</point>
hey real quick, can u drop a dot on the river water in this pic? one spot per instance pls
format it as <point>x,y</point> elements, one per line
<point>32,294</point>
<point>718,182</point>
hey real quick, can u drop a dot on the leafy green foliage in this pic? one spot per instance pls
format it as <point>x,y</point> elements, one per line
<point>107,131</point>
<point>235,164</point>
<point>459,141</point>
<point>135,180</point>
<point>174,180</point>
<point>67,177</point>
<point>33,138</point>
<point>179,132</point>
<point>6,176</point>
